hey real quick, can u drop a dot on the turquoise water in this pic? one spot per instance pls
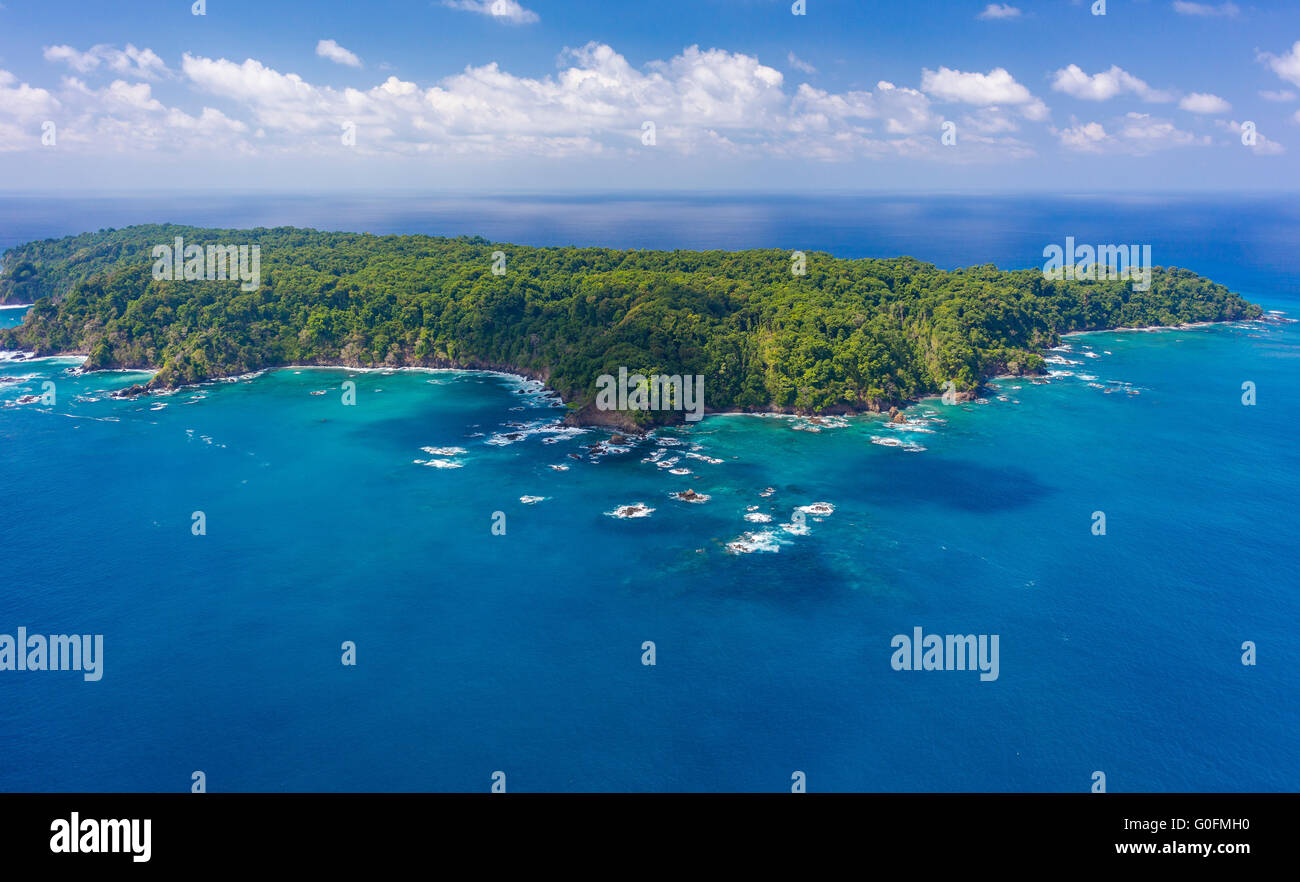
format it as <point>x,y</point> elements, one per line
<point>522,652</point>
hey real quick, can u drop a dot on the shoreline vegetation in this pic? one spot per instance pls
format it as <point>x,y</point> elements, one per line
<point>845,337</point>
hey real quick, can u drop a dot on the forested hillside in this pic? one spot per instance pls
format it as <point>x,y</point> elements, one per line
<point>847,335</point>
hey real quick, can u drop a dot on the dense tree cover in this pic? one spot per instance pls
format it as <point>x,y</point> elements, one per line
<point>847,335</point>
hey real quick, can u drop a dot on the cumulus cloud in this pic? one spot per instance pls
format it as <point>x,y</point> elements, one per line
<point>334,52</point>
<point>1204,102</point>
<point>1227,10</point>
<point>701,101</point>
<point>1146,133</point>
<point>1105,85</point>
<point>118,95</point>
<point>1088,137</point>
<point>142,63</point>
<point>1134,134</point>
<point>22,102</point>
<point>900,111</point>
<point>503,10</point>
<point>122,117</point>
<point>999,11</point>
<point>597,101</point>
<point>1287,65</point>
<point>997,87</point>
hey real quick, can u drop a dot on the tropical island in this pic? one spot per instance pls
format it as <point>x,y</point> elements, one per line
<point>845,336</point>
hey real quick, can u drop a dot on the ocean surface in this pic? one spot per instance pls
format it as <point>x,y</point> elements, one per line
<point>522,652</point>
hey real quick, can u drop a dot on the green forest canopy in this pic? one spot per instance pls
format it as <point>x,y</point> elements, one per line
<point>849,335</point>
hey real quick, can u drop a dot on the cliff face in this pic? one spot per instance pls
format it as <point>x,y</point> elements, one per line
<point>618,420</point>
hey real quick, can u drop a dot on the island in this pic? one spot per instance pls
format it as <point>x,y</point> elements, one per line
<point>842,336</point>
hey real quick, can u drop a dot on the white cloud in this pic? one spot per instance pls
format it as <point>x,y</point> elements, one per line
<point>999,11</point>
<point>702,101</point>
<point>1145,133</point>
<point>989,121</point>
<point>282,101</point>
<point>337,54</point>
<point>143,63</point>
<point>1105,85</point>
<point>502,10</point>
<point>712,87</point>
<point>1135,134</point>
<point>597,101</point>
<point>1262,147</point>
<point>118,95</point>
<point>799,64</point>
<point>1204,102</point>
<point>1087,138</point>
<point>902,111</point>
<point>1228,10</point>
<point>122,117</point>
<point>23,102</point>
<point>1278,96</point>
<point>208,122</point>
<point>996,87</point>
<point>1286,66</point>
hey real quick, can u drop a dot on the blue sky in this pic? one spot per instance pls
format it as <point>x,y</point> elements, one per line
<point>534,95</point>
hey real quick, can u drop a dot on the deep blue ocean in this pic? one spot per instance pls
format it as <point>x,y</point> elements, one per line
<point>522,652</point>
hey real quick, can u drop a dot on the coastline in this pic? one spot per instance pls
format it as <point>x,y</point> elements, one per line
<point>589,416</point>
<point>1153,328</point>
